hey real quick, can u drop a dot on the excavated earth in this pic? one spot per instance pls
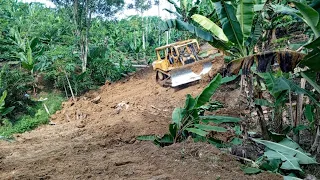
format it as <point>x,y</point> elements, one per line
<point>95,138</point>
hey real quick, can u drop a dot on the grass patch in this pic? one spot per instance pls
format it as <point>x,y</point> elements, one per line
<point>26,122</point>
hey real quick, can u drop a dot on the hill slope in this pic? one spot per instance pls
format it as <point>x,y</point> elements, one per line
<point>94,138</point>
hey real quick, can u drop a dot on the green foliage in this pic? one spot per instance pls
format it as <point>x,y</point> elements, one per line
<point>211,106</point>
<point>251,170</point>
<point>311,17</point>
<point>17,83</point>
<point>289,152</point>
<point>25,123</point>
<point>283,157</point>
<point>311,59</point>
<point>207,36</point>
<point>185,9</point>
<point>279,88</point>
<point>238,33</point>
<point>187,121</point>
<point>219,119</point>
<point>3,110</point>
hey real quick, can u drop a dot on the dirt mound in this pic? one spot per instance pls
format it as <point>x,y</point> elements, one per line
<point>94,137</point>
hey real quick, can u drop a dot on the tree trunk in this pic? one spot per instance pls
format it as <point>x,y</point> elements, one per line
<point>262,122</point>
<point>82,52</point>
<point>143,41</point>
<point>85,40</point>
<point>273,36</point>
<point>299,112</point>
<point>159,36</point>
<point>316,144</point>
<point>135,40</point>
<point>79,34</point>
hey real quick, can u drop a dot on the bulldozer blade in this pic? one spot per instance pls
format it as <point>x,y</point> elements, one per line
<point>191,72</point>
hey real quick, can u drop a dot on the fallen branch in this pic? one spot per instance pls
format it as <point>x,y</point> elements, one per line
<point>254,164</point>
<point>73,98</point>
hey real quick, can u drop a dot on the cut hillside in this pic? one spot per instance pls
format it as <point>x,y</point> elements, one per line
<point>95,138</point>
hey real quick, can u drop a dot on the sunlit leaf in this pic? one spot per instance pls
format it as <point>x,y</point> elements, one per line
<point>197,131</point>
<point>210,128</point>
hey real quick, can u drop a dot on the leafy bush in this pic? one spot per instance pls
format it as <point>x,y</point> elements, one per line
<point>19,84</point>
<point>3,110</point>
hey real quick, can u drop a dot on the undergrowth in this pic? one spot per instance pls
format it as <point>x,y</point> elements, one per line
<point>38,116</point>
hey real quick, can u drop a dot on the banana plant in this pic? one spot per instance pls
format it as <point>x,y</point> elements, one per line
<point>311,17</point>
<point>185,9</point>
<point>188,121</point>
<point>238,34</point>
<point>28,49</point>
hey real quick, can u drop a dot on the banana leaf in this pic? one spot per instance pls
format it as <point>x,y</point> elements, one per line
<point>230,24</point>
<point>190,102</point>
<point>282,84</point>
<point>283,9</point>
<point>314,44</point>
<point>312,60</point>
<point>178,115</point>
<point>219,119</point>
<point>210,128</point>
<point>254,36</point>
<point>206,94</point>
<point>307,76</point>
<point>198,131</point>
<point>287,147</point>
<point>309,113</point>
<point>178,9</point>
<point>210,26</point>
<point>183,26</point>
<point>310,16</point>
<point>245,14</point>
<point>288,162</point>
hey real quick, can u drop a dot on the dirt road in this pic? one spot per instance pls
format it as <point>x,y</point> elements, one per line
<point>95,139</point>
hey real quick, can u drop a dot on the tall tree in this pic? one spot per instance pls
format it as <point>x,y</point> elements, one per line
<point>141,6</point>
<point>81,16</point>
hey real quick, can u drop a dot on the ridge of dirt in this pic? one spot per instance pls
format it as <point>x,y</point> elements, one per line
<point>94,138</point>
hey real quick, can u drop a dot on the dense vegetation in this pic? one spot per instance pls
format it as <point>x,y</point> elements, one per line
<point>79,45</point>
<point>48,48</point>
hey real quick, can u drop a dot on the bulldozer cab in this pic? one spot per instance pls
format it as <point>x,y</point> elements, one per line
<point>175,63</point>
<point>177,54</point>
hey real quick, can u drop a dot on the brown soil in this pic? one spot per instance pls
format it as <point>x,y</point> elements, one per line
<point>197,68</point>
<point>94,138</point>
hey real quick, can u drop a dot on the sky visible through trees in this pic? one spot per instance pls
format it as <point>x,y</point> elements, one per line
<point>127,12</point>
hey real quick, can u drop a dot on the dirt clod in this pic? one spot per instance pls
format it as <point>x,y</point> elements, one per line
<point>96,100</point>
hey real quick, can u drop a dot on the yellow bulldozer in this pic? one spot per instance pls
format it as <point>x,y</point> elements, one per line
<point>181,63</point>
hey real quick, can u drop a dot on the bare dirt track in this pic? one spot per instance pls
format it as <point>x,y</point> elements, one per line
<point>95,139</point>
